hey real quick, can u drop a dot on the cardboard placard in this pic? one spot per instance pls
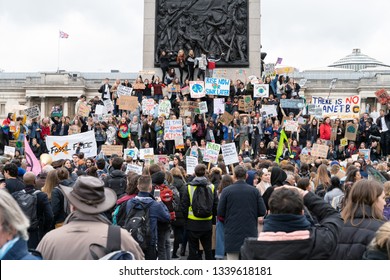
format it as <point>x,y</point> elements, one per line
<point>333,134</point>
<point>109,150</point>
<point>56,111</point>
<point>12,143</point>
<point>129,103</point>
<point>229,153</point>
<point>139,86</point>
<point>351,131</point>
<point>203,107</point>
<point>173,129</point>
<point>292,103</point>
<point>173,88</point>
<point>320,151</point>
<point>197,89</point>
<point>185,90</point>
<point>108,104</point>
<point>226,118</point>
<point>32,112</point>
<point>133,153</point>
<point>179,143</point>
<point>315,111</point>
<point>246,104</point>
<point>162,159</point>
<point>188,107</point>
<point>191,163</point>
<point>307,158</point>
<point>83,110</point>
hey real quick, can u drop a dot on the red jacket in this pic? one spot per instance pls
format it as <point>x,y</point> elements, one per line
<point>325,131</point>
<point>45,131</point>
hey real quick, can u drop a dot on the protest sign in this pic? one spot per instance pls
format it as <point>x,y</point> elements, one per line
<point>211,152</point>
<point>203,107</point>
<point>173,129</point>
<point>188,107</point>
<point>83,110</point>
<point>343,142</point>
<point>346,108</point>
<point>269,69</point>
<point>292,103</point>
<point>307,158</point>
<point>320,151</point>
<point>173,88</point>
<point>32,112</point>
<point>162,160</point>
<point>315,111</point>
<point>302,82</point>
<point>219,106</point>
<point>268,111</point>
<point>122,90</point>
<point>351,131</point>
<point>302,120</point>
<point>366,153</point>
<point>9,151</point>
<point>185,90</point>
<point>290,125</point>
<point>217,86</point>
<point>148,106</point>
<point>12,143</point>
<point>56,111</point>
<point>133,153</point>
<point>134,168</point>
<point>139,86</point>
<point>108,104</point>
<point>382,96</point>
<point>197,89</point>
<point>260,90</point>
<point>129,103</point>
<point>109,150</point>
<point>191,163</point>
<point>226,118</point>
<point>100,110</point>
<point>179,143</point>
<point>63,147</point>
<point>147,153</point>
<point>355,157</point>
<point>229,153</point>
<point>164,108</point>
<point>246,104</point>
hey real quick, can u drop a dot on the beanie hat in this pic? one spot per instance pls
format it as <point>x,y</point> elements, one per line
<point>158,178</point>
<point>334,163</point>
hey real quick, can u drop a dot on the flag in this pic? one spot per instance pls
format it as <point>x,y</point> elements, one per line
<point>279,152</point>
<point>64,35</point>
<point>279,61</point>
<point>33,164</point>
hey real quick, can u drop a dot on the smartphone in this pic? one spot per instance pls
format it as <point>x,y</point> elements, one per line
<point>156,193</point>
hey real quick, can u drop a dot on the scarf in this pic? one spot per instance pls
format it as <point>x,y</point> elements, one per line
<point>285,223</point>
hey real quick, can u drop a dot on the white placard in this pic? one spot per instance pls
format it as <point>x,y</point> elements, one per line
<point>219,106</point>
<point>229,153</point>
<point>122,90</point>
<point>191,163</point>
<point>260,90</point>
<point>9,151</point>
<point>146,153</point>
<point>134,168</point>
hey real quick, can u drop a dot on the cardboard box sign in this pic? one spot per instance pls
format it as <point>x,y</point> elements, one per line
<point>109,150</point>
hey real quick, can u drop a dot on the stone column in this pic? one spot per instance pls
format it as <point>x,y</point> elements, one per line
<point>363,105</point>
<point>65,108</point>
<point>378,106</point>
<point>43,106</point>
<point>28,102</point>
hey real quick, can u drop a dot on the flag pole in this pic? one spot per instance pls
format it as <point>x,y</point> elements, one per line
<point>58,53</point>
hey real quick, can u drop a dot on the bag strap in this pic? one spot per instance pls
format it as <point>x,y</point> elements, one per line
<point>113,242</point>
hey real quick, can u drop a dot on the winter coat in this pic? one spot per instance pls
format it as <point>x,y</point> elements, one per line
<point>117,181</point>
<point>181,186</point>
<point>19,251</point>
<point>240,219</point>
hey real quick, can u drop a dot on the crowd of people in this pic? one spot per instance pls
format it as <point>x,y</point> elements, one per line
<point>337,205</point>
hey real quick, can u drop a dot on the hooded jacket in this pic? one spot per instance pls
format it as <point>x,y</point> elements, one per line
<point>278,176</point>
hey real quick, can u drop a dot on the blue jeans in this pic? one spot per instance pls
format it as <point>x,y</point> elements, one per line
<point>220,240</point>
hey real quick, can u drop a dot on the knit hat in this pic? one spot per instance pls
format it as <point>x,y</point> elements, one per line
<point>334,163</point>
<point>158,178</point>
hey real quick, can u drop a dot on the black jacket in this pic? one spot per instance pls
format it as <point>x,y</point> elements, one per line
<point>356,236</point>
<point>181,186</point>
<point>14,185</point>
<point>117,181</point>
<point>240,219</point>
<point>195,225</point>
<point>320,245</point>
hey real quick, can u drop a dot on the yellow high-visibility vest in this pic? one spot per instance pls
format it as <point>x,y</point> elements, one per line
<point>191,190</point>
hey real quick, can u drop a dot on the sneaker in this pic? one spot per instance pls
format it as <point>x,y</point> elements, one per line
<point>174,256</point>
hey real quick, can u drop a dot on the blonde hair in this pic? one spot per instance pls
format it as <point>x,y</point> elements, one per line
<point>12,218</point>
<point>382,239</point>
<point>386,189</point>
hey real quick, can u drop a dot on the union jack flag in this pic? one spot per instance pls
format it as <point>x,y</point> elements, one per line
<point>64,35</point>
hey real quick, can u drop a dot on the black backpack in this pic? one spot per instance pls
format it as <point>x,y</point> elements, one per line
<point>28,203</point>
<point>119,214</point>
<point>203,201</point>
<point>113,249</point>
<point>138,224</point>
<point>117,184</point>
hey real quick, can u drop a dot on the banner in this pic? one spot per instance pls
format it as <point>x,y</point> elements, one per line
<point>229,153</point>
<point>148,106</point>
<point>260,90</point>
<point>122,90</point>
<point>351,131</point>
<point>197,89</point>
<point>109,150</point>
<point>292,103</point>
<point>346,108</point>
<point>83,110</point>
<point>211,152</point>
<point>191,163</point>
<point>215,86</point>
<point>173,129</point>
<point>320,150</point>
<point>63,147</point>
<point>268,111</point>
<point>203,107</point>
<point>219,106</point>
<point>32,112</point>
<point>33,164</point>
<point>129,103</point>
<point>147,153</point>
<point>164,108</point>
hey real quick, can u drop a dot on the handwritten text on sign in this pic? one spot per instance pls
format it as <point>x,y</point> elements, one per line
<point>216,86</point>
<point>212,152</point>
<point>229,153</point>
<point>343,108</point>
<point>173,129</point>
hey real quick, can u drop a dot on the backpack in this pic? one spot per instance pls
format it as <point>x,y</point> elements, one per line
<point>28,203</point>
<point>119,214</point>
<point>66,202</point>
<point>202,201</point>
<point>138,224</point>
<point>117,184</point>
<point>167,197</point>
<point>113,248</point>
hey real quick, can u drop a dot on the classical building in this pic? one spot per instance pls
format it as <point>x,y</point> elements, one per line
<point>50,89</point>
